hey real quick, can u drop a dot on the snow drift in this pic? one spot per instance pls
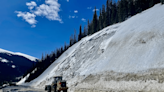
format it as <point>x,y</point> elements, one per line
<point>121,55</point>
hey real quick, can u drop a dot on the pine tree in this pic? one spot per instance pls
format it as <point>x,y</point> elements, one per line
<point>70,43</point>
<point>75,40</point>
<point>145,4</point>
<point>103,16</point>
<point>65,46</point>
<point>114,14</point>
<point>100,20</point>
<point>162,1</point>
<point>125,9</point>
<point>107,21</point>
<point>131,8</point>
<point>85,31</point>
<point>80,34</point>
<point>89,28</point>
<point>138,8</point>
<point>157,1</point>
<point>151,3</point>
<point>95,23</point>
<point>120,11</point>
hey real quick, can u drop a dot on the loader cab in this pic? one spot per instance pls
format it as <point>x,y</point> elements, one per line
<point>57,85</point>
<point>57,78</point>
<point>63,84</point>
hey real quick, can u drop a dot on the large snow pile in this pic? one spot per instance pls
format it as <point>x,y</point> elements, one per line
<point>129,55</point>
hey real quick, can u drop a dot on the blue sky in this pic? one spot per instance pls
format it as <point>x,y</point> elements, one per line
<point>34,27</point>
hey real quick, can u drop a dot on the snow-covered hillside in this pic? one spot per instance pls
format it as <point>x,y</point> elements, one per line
<point>124,56</point>
<point>13,65</point>
<point>19,54</point>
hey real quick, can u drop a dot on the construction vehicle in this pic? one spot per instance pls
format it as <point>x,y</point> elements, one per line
<point>57,85</point>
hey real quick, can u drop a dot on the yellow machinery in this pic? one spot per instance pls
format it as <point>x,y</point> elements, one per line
<point>57,85</point>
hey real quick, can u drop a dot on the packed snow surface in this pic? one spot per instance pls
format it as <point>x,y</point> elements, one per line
<point>18,53</point>
<point>134,45</point>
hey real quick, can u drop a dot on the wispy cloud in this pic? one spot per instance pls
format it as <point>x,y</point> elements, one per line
<point>28,17</point>
<point>84,20</point>
<point>31,5</point>
<point>49,10</point>
<point>95,10</point>
<point>67,0</point>
<point>72,17</point>
<point>75,11</point>
<point>33,26</point>
<point>89,7</point>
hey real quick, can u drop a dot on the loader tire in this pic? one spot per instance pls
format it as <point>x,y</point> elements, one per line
<point>49,89</point>
<point>64,90</point>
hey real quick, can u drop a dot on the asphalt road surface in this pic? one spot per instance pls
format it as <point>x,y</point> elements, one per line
<point>20,89</point>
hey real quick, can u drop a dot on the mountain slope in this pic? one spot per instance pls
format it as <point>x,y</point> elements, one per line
<point>19,54</point>
<point>125,56</point>
<point>13,65</point>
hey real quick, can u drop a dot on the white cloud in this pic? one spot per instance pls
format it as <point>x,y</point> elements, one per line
<point>89,7</point>
<point>33,26</point>
<point>28,17</point>
<point>52,2</point>
<point>84,20</point>
<point>67,0</point>
<point>95,10</point>
<point>75,11</point>
<point>72,17</point>
<point>49,10</point>
<point>31,5</point>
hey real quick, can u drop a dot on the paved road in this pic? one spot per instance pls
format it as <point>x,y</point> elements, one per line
<point>20,89</point>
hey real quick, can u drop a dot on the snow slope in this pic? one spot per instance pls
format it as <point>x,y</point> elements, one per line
<point>112,55</point>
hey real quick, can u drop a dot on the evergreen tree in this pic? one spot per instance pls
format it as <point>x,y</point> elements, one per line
<point>80,34</point>
<point>162,1</point>
<point>145,4</point>
<point>157,1</point>
<point>131,8</point>
<point>100,21</point>
<point>75,40</point>
<point>107,21</point>
<point>138,7</point>
<point>70,42</point>
<point>95,23</point>
<point>103,16</point>
<point>125,9</point>
<point>151,3</point>
<point>114,14</point>
<point>120,11</point>
<point>85,31</point>
<point>65,46</point>
<point>89,28</point>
